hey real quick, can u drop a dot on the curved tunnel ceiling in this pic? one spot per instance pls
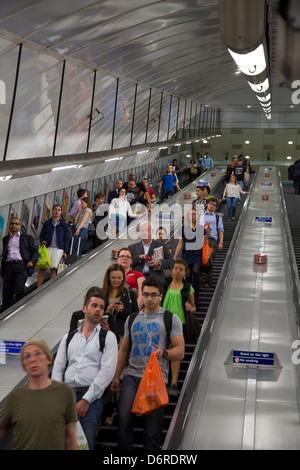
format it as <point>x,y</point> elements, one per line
<point>174,46</point>
<point>170,46</point>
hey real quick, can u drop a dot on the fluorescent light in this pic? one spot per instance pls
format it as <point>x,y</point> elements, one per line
<point>252,63</point>
<point>247,142</point>
<point>264,98</point>
<point>290,142</point>
<point>289,158</point>
<point>5,178</point>
<point>112,159</point>
<point>260,87</point>
<point>66,167</point>
<point>266,105</point>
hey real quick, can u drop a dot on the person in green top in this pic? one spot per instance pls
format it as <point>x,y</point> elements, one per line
<point>178,298</point>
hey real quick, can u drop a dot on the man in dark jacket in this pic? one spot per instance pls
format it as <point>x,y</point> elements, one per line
<point>143,252</point>
<point>294,174</point>
<point>20,255</point>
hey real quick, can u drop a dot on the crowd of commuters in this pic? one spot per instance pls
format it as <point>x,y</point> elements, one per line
<point>121,322</point>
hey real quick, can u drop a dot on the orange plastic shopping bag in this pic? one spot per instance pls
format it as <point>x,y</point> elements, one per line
<point>152,393</point>
<point>206,252</point>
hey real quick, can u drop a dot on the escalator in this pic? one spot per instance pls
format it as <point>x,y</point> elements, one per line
<point>107,436</point>
<point>293,208</point>
<point>31,284</point>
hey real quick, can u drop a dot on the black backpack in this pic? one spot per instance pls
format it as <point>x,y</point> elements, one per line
<point>102,336</point>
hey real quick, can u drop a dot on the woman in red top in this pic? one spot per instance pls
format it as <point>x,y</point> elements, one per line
<point>134,279</point>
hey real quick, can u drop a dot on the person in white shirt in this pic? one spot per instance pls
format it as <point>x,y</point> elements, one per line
<point>232,194</point>
<point>119,208</point>
<point>87,369</point>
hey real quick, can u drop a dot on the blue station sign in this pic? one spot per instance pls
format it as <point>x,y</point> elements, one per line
<point>253,358</point>
<point>11,347</point>
<point>266,220</point>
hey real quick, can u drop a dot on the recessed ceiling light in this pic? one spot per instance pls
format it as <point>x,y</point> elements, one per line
<point>290,142</point>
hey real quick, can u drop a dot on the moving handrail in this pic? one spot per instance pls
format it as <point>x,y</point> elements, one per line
<point>181,413</point>
<point>250,404</point>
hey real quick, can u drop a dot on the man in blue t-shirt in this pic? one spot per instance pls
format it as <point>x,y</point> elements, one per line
<point>166,186</point>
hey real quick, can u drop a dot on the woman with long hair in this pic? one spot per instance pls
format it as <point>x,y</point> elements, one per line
<point>232,194</point>
<point>55,235</point>
<point>119,300</point>
<point>82,221</point>
<point>141,198</point>
<point>248,175</point>
<point>178,298</point>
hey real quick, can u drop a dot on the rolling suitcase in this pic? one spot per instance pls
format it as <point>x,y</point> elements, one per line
<point>70,257</point>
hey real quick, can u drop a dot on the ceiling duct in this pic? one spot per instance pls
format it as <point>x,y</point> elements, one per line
<point>242,24</point>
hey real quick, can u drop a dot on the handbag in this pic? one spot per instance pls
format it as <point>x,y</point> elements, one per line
<point>205,261</point>
<point>152,393</point>
<point>82,442</point>
<point>43,261</point>
<point>192,325</point>
<point>62,265</point>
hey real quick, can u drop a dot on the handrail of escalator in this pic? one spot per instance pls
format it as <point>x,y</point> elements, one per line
<point>181,412</point>
<point>292,260</point>
<point>15,308</point>
<point>294,276</point>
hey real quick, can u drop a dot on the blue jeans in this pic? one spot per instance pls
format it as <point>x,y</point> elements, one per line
<point>118,222</point>
<point>91,420</point>
<point>153,422</point>
<point>241,184</point>
<point>83,235</point>
<point>231,206</point>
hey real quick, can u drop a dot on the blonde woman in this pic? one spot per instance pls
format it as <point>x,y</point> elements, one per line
<point>232,194</point>
<point>82,221</point>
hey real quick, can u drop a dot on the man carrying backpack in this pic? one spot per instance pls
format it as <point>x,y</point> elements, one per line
<point>152,329</point>
<point>166,186</point>
<point>214,228</point>
<point>87,363</point>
